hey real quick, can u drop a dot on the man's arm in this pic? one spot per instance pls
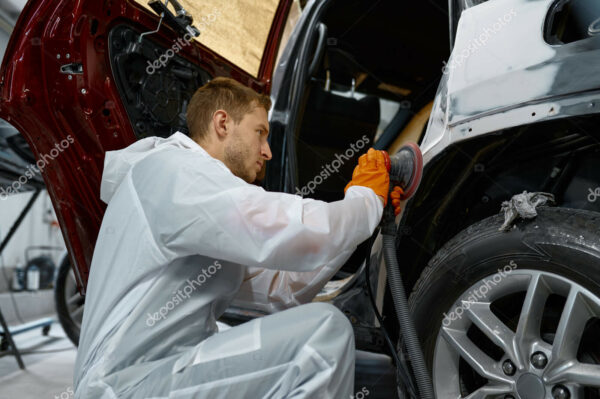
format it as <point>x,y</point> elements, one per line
<point>207,210</point>
<point>275,290</point>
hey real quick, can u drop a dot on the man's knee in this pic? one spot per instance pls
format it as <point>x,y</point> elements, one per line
<point>324,308</point>
<point>330,314</point>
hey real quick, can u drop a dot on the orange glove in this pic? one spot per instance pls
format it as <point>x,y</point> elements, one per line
<point>395,196</point>
<point>371,172</point>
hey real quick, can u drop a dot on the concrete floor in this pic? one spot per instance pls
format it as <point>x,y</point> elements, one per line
<point>48,373</point>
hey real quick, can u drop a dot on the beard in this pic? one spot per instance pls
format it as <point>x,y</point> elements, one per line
<point>237,155</point>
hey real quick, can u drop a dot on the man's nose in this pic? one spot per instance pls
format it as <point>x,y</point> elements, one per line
<point>266,151</point>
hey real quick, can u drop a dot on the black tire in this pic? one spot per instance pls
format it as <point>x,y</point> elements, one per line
<point>562,241</point>
<point>71,328</point>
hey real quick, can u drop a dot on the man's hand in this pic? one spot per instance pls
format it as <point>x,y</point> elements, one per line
<point>371,172</point>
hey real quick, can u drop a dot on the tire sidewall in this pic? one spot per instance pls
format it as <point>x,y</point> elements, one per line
<point>558,241</point>
<point>62,310</point>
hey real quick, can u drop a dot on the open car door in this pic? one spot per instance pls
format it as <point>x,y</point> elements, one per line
<point>82,77</point>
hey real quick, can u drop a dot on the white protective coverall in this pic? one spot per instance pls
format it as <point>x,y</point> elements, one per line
<point>181,237</point>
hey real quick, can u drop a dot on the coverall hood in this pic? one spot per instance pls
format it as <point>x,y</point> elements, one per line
<point>118,163</point>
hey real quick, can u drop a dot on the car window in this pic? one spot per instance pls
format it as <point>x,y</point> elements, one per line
<point>237,30</point>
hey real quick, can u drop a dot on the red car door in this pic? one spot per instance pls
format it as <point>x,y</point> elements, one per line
<point>77,81</point>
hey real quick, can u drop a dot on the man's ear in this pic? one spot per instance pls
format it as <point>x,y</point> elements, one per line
<point>221,123</point>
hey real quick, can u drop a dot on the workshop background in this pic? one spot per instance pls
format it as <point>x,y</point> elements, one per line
<point>30,310</point>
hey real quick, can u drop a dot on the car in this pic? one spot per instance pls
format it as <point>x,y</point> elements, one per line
<point>507,313</point>
<point>15,157</point>
<point>501,95</point>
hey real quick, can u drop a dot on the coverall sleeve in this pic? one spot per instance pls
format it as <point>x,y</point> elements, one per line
<point>274,290</point>
<point>225,218</point>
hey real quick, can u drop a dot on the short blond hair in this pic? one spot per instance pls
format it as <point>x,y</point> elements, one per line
<point>221,93</point>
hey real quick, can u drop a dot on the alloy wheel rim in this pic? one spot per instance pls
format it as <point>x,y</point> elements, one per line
<point>537,369</point>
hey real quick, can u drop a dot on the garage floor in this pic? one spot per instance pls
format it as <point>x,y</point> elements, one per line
<point>48,374</point>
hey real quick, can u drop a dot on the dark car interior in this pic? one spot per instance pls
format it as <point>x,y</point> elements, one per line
<point>376,51</point>
<point>380,51</point>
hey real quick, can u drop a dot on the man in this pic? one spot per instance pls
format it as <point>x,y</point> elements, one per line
<point>184,231</point>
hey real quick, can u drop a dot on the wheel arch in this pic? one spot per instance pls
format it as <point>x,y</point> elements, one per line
<point>468,181</point>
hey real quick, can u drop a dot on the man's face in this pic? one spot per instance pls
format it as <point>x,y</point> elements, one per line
<point>247,149</point>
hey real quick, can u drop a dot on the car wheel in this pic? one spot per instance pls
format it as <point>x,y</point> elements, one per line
<point>514,314</point>
<point>69,303</point>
